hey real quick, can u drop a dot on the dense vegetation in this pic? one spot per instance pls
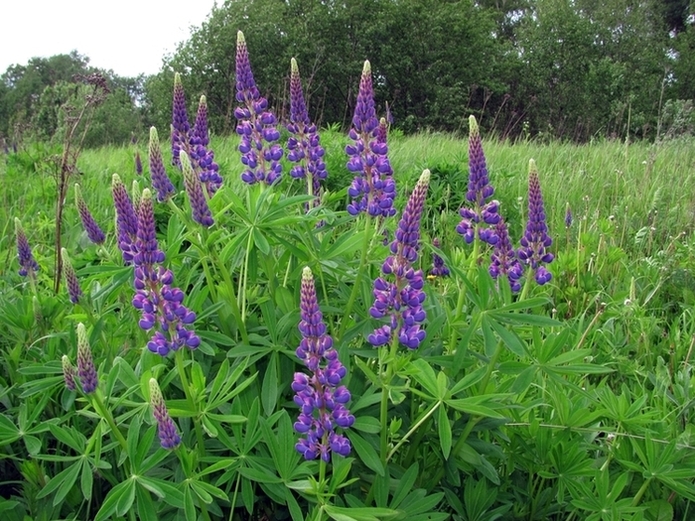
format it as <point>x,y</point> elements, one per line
<point>260,327</point>
<point>554,68</point>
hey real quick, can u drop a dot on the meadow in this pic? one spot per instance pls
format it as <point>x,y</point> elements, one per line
<point>569,399</point>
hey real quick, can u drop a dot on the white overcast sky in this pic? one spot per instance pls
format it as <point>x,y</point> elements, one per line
<point>128,36</point>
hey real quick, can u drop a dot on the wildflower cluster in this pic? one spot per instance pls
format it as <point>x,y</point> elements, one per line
<point>483,214</point>
<point>304,142</point>
<point>256,126</point>
<point>536,239</point>
<point>160,302</point>
<point>373,188</point>
<point>94,232</point>
<point>27,263</point>
<point>193,141</point>
<point>402,299</point>
<point>166,429</point>
<point>318,395</point>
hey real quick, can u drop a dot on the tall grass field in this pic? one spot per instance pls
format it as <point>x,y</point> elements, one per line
<point>255,351</point>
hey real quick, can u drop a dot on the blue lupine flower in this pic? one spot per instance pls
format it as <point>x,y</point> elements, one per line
<point>438,269</point>
<point>160,180</point>
<point>373,188</point>
<point>71,280</point>
<point>536,240</point>
<point>27,263</point>
<point>88,223</point>
<point>401,300</point>
<point>161,304</point>
<point>482,214</point>
<point>260,154</point>
<point>180,125</point>
<point>304,143</point>
<point>202,158</point>
<point>126,219</point>
<point>504,260</point>
<point>319,396</point>
<point>166,429</point>
<point>85,364</point>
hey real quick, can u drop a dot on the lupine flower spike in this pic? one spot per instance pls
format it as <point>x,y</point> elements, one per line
<point>194,189</point>
<point>138,163</point>
<point>85,365</point>
<point>88,223</point>
<point>482,215</point>
<point>256,126</point>
<point>202,158</point>
<point>304,142</point>
<point>373,188</point>
<point>439,269</point>
<point>71,280</point>
<point>69,373</point>
<point>166,429</point>
<point>319,396</point>
<point>161,304</point>
<point>27,264</point>
<point>160,180</point>
<point>401,300</point>
<point>536,240</point>
<point>126,219</point>
<point>568,216</point>
<point>504,260</point>
<point>180,125</point>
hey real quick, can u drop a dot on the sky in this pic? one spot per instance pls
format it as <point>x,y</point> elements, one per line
<point>127,36</point>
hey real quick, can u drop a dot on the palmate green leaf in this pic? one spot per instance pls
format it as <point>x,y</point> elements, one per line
<point>86,481</point>
<point>423,374</point>
<point>359,514</point>
<point>472,407</point>
<point>405,485</point>
<point>189,505</point>
<point>508,337</point>
<point>366,453</point>
<point>8,431</point>
<point>444,427</point>
<point>110,504</point>
<point>271,385</point>
<point>367,424</point>
<point>144,503</point>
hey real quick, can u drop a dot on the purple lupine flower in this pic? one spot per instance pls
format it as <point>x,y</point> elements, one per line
<point>304,142</point>
<point>161,304</point>
<point>438,269</point>
<point>85,365</point>
<point>69,373</point>
<point>568,216</point>
<point>202,158</point>
<point>382,131</point>
<point>88,223</point>
<point>373,188</point>
<point>126,219</point>
<point>536,240</point>
<point>166,428</point>
<point>71,280</point>
<point>27,263</point>
<point>504,260</point>
<point>483,214</point>
<point>160,180</point>
<point>180,125</point>
<point>138,163</point>
<point>260,154</point>
<point>319,396</point>
<point>194,189</point>
<point>401,300</point>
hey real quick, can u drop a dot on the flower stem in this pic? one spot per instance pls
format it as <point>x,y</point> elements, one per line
<point>358,277</point>
<point>98,403</point>
<point>191,401</point>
